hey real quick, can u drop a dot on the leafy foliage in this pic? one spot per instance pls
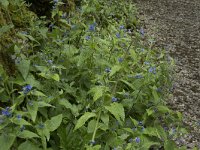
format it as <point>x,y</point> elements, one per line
<point>83,80</point>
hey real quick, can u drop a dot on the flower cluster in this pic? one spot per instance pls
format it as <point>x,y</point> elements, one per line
<point>107,70</point>
<point>114,99</point>
<point>6,112</point>
<point>27,89</point>
<point>92,27</point>
<point>152,70</point>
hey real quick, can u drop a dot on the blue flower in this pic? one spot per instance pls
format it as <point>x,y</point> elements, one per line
<point>134,129</point>
<point>50,61</point>
<point>142,49</point>
<point>88,37</point>
<point>92,142</point>
<point>114,99</point>
<point>55,1</point>
<point>142,31</point>
<point>92,27</point>
<point>140,123</point>
<point>155,110</point>
<point>137,140</point>
<point>24,32</point>
<point>107,70</point>
<point>6,112</point>
<point>159,90</point>
<point>120,59</point>
<point>166,128</point>
<point>30,103</point>
<point>118,35</point>
<point>19,116</point>
<point>143,128</point>
<point>147,63</point>
<point>152,70</point>
<point>121,27</point>
<point>129,31</point>
<point>126,95</point>
<point>22,128</point>
<point>173,130</point>
<point>27,89</point>
<point>41,125</point>
<point>51,25</point>
<point>138,76</point>
<point>198,123</point>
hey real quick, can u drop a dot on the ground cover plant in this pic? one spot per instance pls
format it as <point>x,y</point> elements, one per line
<point>83,79</point>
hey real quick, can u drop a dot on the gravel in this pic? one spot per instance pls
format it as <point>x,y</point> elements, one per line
<point>175,25</point>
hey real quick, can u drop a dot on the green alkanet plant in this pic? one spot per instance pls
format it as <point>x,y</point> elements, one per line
<point>86,81</point>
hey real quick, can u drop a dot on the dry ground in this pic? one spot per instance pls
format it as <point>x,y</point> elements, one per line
<point>175,24</point>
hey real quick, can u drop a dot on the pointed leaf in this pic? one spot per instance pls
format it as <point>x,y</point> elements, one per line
<point>98,92</point>
<point>56,77</point>
<point>169,145</point>
<point>29,146</point>
<point>6,141</point>
<point>21,122</point>
<point>27,134</point>
<point>32,109</point>
<point>83,119</point>
<point>38,93</point>
<point>23,67</point>
<point>54,123</point>
<point>117,110</point>
<point>114,69</point>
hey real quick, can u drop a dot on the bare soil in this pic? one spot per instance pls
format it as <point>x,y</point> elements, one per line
<point>175,24</point>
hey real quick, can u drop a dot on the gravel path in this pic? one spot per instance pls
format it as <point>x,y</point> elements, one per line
<point>175,24</point>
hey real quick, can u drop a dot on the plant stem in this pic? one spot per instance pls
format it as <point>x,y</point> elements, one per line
<point>96,126</point>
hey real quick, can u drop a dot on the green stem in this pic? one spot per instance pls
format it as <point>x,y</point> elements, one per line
<point>96,126</point>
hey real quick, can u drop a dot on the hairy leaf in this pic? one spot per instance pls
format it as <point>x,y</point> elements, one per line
<point>81,121</point>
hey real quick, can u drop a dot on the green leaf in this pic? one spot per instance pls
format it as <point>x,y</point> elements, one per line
<point>117,110</point>
<point>32,81</point>
<point>169,145</point>
<point>32,109</point>
<point>133,54</point>
<point>5,29</point>
<point>96,147</point>
<point>149,111</point>
<point>43,32</point>
<point>54,123</point>
<point>56,77</point>
<point>27,134</point>
<point>21,122</point>
<point>98,92</point>
<point>155,94</point>
<point>157,131</point>
<point>163,109</point>
<point>68,105</point>
<point>91,126</point>
<point>6,141</point>
<point>44,104</point>
<point>105,118</point>
<point>23,67</point>
<point>38,93</point>
<point>114,69</point>
<point>29,146</point>
<point>4,3</point>
<point>128,84</point>
<point>83,119</point>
